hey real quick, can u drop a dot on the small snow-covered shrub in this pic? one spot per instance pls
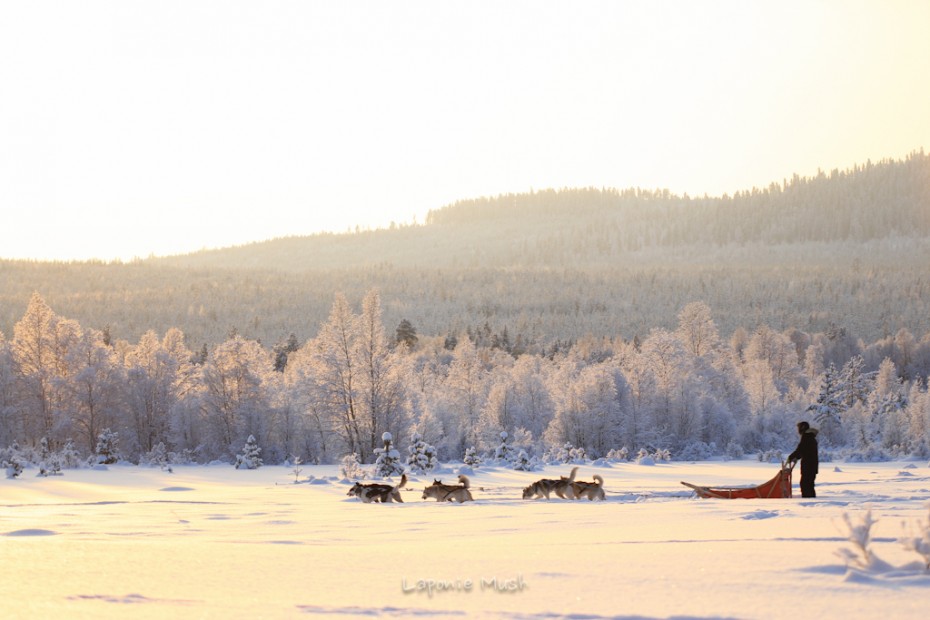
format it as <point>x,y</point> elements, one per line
<point>471,457</point>
<point>862,556</point>
<point>185,456</point>
<point>351,468</point>
<point>734,451</point>
<point>156,457</point>
<point>870,454</point>
<point>13,466</point>
<point>523,462</point>
<point>568,454</point>
<point>618,455</point>
<point>50,466</point>
<point>919,541</point>
<point>644,458</point>
<point>771,456</point>
<point>696,451</point>
<point>296,469</point>
<point>69,457</point>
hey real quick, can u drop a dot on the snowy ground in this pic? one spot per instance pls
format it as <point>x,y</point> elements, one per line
<point>216,542</point>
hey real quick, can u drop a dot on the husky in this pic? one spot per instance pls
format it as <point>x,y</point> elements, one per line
<point>591,490</point>
<point>563,487</point>
<point>375,492</point>
<point>449,492</point>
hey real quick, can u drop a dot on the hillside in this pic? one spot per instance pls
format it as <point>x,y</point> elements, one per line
<point>843,249</point>
<point>585,228</point>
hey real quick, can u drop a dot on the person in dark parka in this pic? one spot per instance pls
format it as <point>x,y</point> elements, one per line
<point>806,452</point>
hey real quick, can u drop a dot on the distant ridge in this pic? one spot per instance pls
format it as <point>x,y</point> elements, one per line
<point>590,227</point>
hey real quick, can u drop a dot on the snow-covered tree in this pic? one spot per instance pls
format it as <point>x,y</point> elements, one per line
<point>107,448</point>
<point>156,457</point>
<point>829,406</point>
<point>465,391</point>
<point>239,382</point>
<point>853,383</point>
<point>33,349</point>
<point>13,465</point>
<point>357,380</point>
<point>589,407</point>
<point>93,396</point>
<point>523,462</point>
<point>388,462</point>
<point>421,456</point>
<point>888,404</point>
<point>504,452</point>
<point>382,396</point>
<point>250,458</point>
<point>68,456</point>
<point>696,329</point>
<point>778,352</point>
<point>567,453</point>
<point>406,334</point>
<point>471,457</point>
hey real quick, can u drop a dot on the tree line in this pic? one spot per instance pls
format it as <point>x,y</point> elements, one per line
<point>686,390</point>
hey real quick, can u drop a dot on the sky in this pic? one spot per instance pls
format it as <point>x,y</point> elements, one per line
<point>131,128</point>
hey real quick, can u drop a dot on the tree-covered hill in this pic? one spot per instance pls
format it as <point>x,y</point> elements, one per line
<point>588,227</point>
<point>845,248</point>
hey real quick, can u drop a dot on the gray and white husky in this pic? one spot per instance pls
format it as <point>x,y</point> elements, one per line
<point>591,490</point>
<point>563,487</point>
<point>449,492</point>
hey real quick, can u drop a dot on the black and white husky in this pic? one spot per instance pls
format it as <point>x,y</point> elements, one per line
<point>375,492</point>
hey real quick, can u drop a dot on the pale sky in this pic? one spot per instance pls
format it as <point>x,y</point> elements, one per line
<point>130,128</point>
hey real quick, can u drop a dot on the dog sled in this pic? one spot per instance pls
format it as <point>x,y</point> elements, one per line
<point>777,487</point>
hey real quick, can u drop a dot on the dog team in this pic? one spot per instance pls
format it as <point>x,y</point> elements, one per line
<point>565,487</point>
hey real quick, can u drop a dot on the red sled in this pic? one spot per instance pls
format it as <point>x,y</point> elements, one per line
<point>777,487</point>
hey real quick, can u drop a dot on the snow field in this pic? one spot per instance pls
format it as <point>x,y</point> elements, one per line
<point>216,542</point>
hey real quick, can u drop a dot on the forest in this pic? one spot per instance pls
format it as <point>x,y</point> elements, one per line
<point>610,321</point>
<point>69,394</point>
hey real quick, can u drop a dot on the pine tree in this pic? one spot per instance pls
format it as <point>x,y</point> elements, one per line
<point>251,455</point>
<point>107,447</point>
<point>471,457</point>
<point>406,334</point>
<point>523,462</point>
<point>69,456</point>
<point>388,462</point>
<point>157,456</point>
<point>829,404</point>
<point>13,466</point>
<point>853,384</point>
<point>421,456</point>
<point>504,453</point>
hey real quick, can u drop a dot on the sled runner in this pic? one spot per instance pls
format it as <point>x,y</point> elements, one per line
<point>777,487</point>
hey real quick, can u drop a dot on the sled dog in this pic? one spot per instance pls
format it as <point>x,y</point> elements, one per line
<point>449,492</point>
<point>563,487</point>
<point>591,490</point>
<point>375,492</point>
